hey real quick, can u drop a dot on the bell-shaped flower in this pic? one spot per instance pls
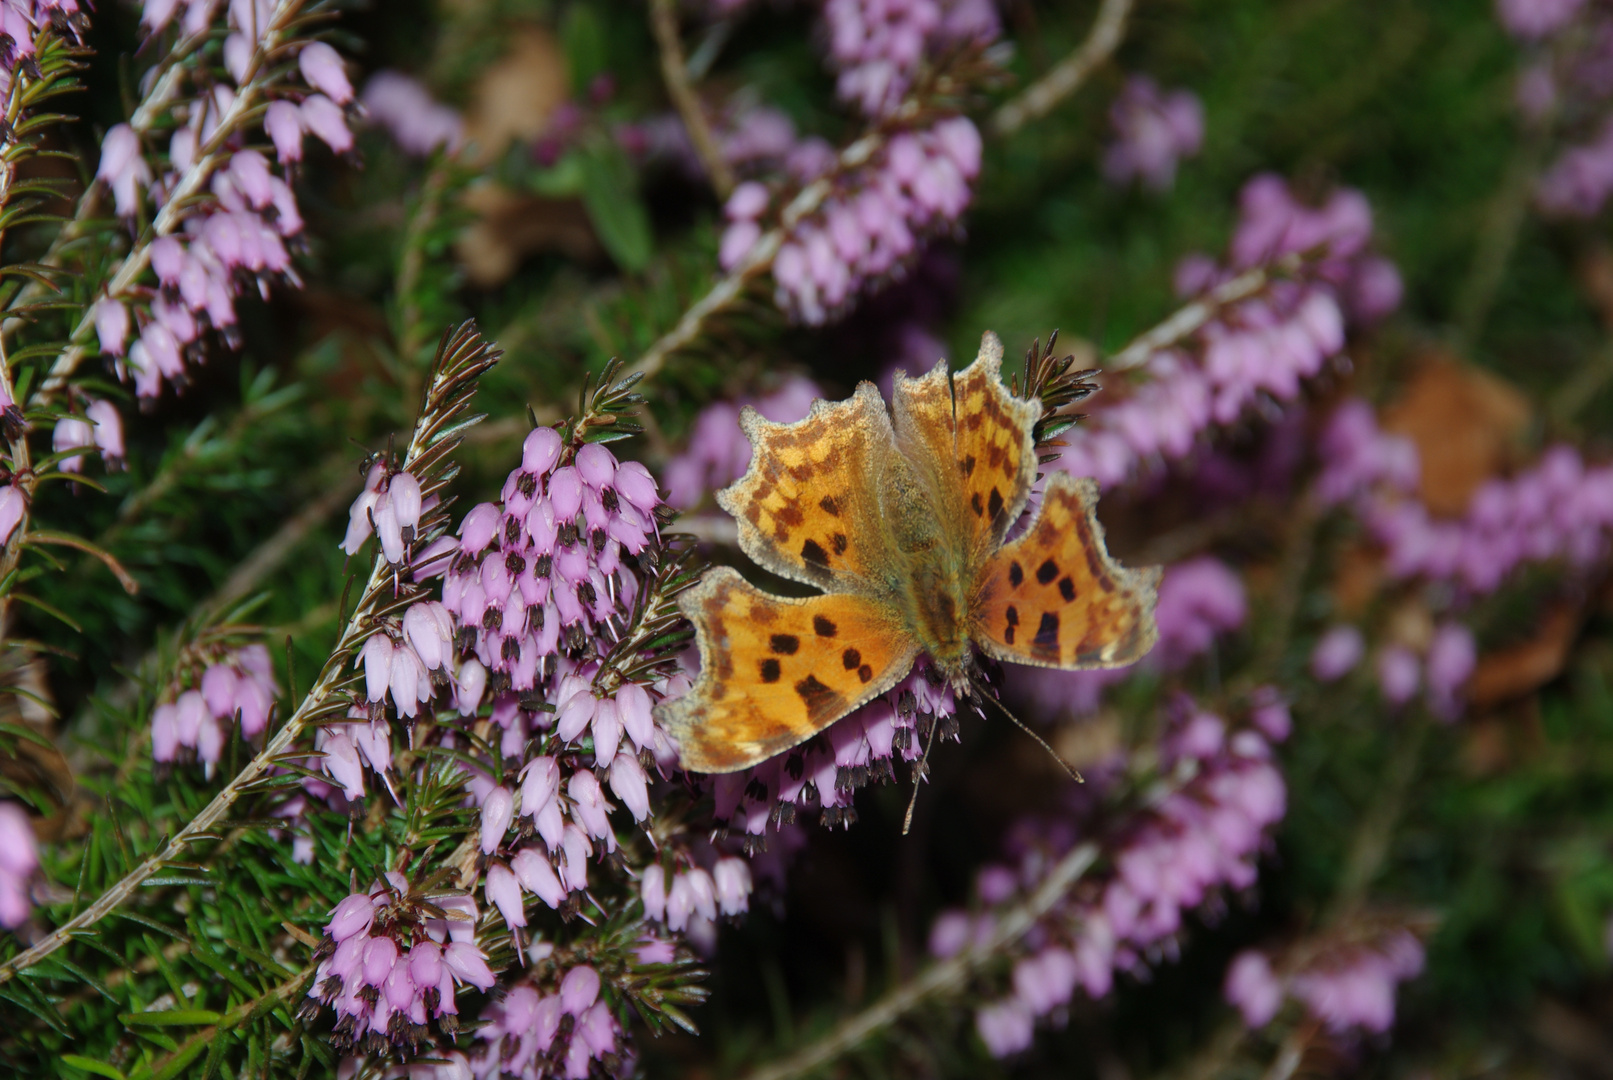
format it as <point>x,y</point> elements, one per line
<point>504,893</point>
<point>497,810</point>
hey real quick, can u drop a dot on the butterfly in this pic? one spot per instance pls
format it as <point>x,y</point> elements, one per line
<point>900,517</point>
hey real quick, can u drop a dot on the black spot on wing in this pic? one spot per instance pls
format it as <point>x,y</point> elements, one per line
<point>814,555</point>
<point>784,644</point>
<point>1047,572</point>
<point>865,673</point>
<point>1067,588</point>
<point>977,505</point>
<point>840,543</point>
<point>994,505</point>
<point>967,465</point>
<point>829,506</point>
<point>819,699</point>
<point>851,658</point>
<point>823,626</point>
<point>1047,635</point>
<point>1016,574</point>
<point>769,670</point>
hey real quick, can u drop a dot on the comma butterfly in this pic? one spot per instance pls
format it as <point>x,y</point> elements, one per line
<point>900,518</point>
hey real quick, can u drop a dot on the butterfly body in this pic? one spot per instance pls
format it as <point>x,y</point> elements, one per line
<point>900,516</point>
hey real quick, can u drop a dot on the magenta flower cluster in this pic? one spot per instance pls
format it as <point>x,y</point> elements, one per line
<point>239,687</point>
<point>870,227</point>
<point>388,967</point>
<point>406,110</point>
<point>1262,348</point>
<point>19,858</point>
<point>1559,509</point>
<point>1347,988</point>
<point>215,246</point>
<point>879,46</point>
<point>99,427</point>
<point>23,21</point>
<point>1154,130</point>
<point>560,1034</point>
<point>693,894</point>
<point>1200,840</point>
<point>1565,77</point>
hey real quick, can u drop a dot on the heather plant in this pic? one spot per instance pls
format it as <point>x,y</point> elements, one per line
<point>368,374</point>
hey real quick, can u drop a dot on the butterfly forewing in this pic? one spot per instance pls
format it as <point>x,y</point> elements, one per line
<point>1054,597</point>
<point>975,438</point>
<point>776,670</point>
<point>807,509</point>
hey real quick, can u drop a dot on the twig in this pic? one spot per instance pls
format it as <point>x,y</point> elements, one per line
<point>1039,98</point>
<point>940,977</point>
<point>674,69</point>
<point>1191,317</point>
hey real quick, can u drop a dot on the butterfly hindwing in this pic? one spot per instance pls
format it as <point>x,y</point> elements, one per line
<point>976,438</point>
<point>807,508</point>
<point>774,671</point>
<point>1054,597</point>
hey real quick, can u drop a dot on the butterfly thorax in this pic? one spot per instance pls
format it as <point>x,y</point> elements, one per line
<point>931,587</point>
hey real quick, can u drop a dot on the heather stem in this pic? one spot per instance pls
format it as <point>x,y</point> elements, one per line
<point>674,69</point>
<point>1038,99</point>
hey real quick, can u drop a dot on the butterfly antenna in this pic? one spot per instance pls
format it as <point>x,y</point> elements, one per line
<point>981,689</point>
<point>919,772</point>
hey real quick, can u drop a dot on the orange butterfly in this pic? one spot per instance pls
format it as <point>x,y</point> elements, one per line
<point>901,525</point>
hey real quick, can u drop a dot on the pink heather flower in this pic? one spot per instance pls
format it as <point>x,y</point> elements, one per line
<point>340,761</point>
<point>429,629</point>
<point>628,781</point>
<point>1154,130</point>
<point>653,893</point>
<point>404,108</point>
<point>732,879</point>
<point>504,893</point>
<point>1398,674</point>
<point>282,121</point>
<point>536,875</point>
<point>1006,1028</point>
<point>1253,988</point>
<point>112,325</point>
<point>1578,183</point>
<point>108,431</point>
<point>352,916</point>
<point>1198,599</point>
<point>70,434</point>
<point>19,858</point>
<point>1337,652</point>
<point>323,68</point>
<point>579,990</point>
<point>1359,990</point>
<point>1269,714</point>
<point>123,168</point>
<point>324,118</point>
<point>1452,658</point>
<point>498,808</point>
<point>13,505</point>
<point>467,964</point>
<point>1530,19</point>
